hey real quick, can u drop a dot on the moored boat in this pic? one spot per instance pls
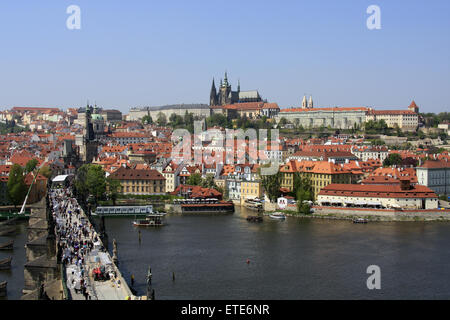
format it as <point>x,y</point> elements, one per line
<point>5,263</point>
<point>7,231</point>
<point>360,220</point>
<point>255,219</point>
<point>3,288</point>
<point>7,245</point>
<point>278,216</point>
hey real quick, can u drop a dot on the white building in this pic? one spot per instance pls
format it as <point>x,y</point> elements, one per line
<point>378,196</point>
<point>435,174</point>
<point>372,152</point>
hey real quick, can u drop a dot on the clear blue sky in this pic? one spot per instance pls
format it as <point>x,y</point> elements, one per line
<point>133,53</point>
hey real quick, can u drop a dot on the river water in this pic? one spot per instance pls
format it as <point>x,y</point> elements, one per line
<point>292,259</point>
<point>14,276</point>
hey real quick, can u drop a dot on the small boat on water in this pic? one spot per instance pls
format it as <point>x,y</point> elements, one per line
<point>360,220</point>
<point>152,220</point>
<point>278,216</point>
<point>255,219</point>
<point>3,288</point>
<point>5,263</point>
<point>7,231</point>
<point>7,245</point>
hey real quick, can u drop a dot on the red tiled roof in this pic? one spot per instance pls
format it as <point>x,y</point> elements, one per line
<point>334,109</point>
<point>435,164</point>
<point>135,174</point>
<point>376,191</point>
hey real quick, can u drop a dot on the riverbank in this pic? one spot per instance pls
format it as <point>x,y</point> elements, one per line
<point>384,215</point>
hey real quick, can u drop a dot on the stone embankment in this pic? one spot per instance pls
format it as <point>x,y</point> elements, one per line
<point>380,215</point>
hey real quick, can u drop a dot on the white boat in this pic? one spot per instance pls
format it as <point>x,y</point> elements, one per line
<point>277,215</point>
<point>360,220</point>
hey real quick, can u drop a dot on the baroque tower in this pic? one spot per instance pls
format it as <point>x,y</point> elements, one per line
<point>304,103</point>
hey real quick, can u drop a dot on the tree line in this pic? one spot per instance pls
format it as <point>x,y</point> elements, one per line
<point>16,186</point>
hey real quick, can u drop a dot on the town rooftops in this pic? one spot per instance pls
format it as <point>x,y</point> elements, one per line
<point>135,174</point>
<point>333,109</point>
<point>392,112</point>
<point>436,164</point>
<point>35,109</point>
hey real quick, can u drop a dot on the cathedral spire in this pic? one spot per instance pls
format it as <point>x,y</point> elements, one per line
<point>310,104</point>
<point>225,81</point>
<point>213,95</point>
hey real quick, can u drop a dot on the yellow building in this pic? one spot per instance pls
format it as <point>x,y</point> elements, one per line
<point>320,174</point>
<point>250,190</point>
<point>142,182</point>
<point>171,176</point>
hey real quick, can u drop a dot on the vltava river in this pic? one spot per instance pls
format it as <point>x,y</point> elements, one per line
<point>294,259</point>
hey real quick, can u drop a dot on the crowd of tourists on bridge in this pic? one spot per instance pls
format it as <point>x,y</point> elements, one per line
<point>75,239</point>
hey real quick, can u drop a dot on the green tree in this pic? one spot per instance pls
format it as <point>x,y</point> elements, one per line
<point>31,165</point>
<point>113,187</point>
<point>392,159</point>
<point>217,119</point>
<point>17,188</point>
<point>96,182</point>
<point>283,121</point>
<point>194,179</point>
<point>208,182</point>
<point>161,120</point>
<point>80,182</point>
<point>147,119</point>
<point>271,185</point>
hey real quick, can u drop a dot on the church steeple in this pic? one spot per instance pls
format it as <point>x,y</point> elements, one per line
<point>225,80</point>
<point>213,95</point>
<point>310,104</point>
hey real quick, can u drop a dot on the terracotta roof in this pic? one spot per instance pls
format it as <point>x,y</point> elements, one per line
<point>135,174</point>
<point>197,192</point>
<point>377,191</point>
<point>393,112</point>
<point>334,109</point>
<point>435,164</point>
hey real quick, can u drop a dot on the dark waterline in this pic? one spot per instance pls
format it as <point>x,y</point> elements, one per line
<point>294,259</point>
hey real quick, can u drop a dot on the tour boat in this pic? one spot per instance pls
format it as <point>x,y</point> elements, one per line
<point>152,220</point>
<point>277,215</point>
<point>360,220</point>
